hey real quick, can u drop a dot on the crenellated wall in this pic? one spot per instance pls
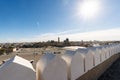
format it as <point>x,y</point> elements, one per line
<point>82,64</point>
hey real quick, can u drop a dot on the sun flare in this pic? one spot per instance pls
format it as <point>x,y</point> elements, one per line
<point>89,9</point>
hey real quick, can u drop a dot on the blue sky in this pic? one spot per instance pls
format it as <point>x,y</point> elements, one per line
<point>38,20</point>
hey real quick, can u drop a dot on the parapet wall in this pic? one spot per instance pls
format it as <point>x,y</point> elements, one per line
<point>82,64</point>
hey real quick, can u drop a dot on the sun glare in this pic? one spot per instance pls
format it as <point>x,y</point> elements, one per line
<point>89,9</point>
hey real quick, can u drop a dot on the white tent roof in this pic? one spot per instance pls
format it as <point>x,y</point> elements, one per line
<point>83,50</point>
<point>75,64</point>
<point>17,68</point>
<point>45,60</point>
<point>73,47</point>
<point>51,67</point>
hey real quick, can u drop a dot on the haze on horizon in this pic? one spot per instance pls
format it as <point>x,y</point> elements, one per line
<point>42,20</point>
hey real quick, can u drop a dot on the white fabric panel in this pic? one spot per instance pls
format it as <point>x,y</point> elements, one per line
<point>51,67</point>
<point>75,62</point>
<point>17,68</point>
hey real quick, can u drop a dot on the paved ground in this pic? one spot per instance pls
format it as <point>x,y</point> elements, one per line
<point>113,73</point>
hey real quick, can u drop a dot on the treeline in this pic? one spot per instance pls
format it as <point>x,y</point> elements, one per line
<point>46,44</point>
<point>55,44</point>
<point>6,50</point>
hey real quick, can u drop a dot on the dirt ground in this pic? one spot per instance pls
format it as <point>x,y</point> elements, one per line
<point>27,53</point>
<point>112,73</point>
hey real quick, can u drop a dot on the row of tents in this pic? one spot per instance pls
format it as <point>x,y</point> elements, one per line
<point>69,66</point>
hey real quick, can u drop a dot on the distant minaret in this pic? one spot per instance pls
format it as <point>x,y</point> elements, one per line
<point>58,39</point>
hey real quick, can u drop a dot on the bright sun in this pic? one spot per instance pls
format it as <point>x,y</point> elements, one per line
<point>89,9</point>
